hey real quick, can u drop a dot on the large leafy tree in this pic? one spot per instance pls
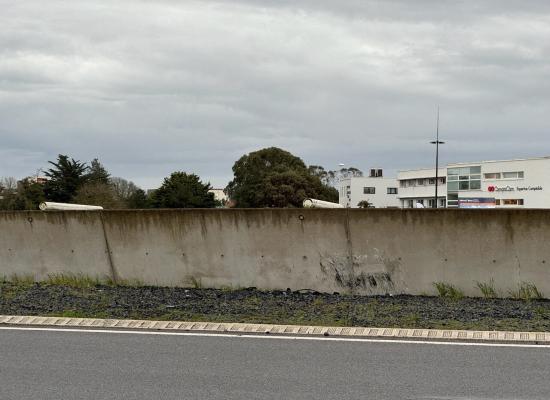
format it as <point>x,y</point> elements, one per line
<point>273,177</point>
<point>182,190</point>
<point>66,176</point>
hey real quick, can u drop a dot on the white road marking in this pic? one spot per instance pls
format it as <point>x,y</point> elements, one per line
<point>277,337</point>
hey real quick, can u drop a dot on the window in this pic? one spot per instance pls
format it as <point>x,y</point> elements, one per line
<point>402,184</point>
<point>512,175</point>
<point>392,190</point>
<point>492,175</point>
<point>420,182</point>
<point>497,202</point>
<point>442,181</point>
<point>431,181</point>
<point>369,190</point>
<point>452,200</point>
<point>464,185</point>
<point>412,182</point>
<point>431,203</point>
<point>475,185</point>
<point>512,202</point>
<point>464,178</point>
<point>442,203</point>
<point>410,203</point>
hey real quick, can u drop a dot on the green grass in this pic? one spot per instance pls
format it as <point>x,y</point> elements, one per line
<point>24,280</point>
<point>487,289</point>
<point>73,280</point>
<point>526,291</point>
<point>448,291</point>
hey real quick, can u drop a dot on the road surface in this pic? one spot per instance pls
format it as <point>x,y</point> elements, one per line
<point>82,365</point>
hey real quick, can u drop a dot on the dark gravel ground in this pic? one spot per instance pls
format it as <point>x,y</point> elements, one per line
<point>251,305</point>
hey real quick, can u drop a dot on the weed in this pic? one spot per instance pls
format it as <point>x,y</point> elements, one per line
<point>128,283</point>
<point>412,320</point>
<point>448,290</point>
<point>72,280</point>
<point>197,283</point>
<point>25,280</point>
<point>526,291</point>
<point>487,289</point>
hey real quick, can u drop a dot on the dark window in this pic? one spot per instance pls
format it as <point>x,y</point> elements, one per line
<point>369,190</point>
<point>392,190</point>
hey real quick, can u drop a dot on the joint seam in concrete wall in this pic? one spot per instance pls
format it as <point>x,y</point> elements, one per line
<point>349,246</point>
<point>114,274</point>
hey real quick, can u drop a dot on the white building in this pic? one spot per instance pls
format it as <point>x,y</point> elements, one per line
<point>417,188</point>
<point>520,183</point>
<point>378,191</point>
<point>219,194</point>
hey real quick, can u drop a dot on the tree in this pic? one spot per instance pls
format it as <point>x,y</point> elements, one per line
<point>25,195</point>
<point>332,178</point>
<point>182,190</point>
<point>123,188</point>
<point>365,204</point>
<point>66,177</point>
<point>98,194</point>
<point>97,172</point>
<point>138,199</point>
<point>273,177</point>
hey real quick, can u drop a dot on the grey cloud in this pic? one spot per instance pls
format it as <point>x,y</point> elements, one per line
<point>153,87</point>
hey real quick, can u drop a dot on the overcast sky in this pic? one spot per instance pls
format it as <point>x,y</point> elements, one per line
<point>151,87</point>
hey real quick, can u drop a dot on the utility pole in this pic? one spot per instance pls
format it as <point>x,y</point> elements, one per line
<point>437,142</point>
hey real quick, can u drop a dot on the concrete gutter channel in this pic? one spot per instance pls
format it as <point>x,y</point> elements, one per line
<point>542,338</point>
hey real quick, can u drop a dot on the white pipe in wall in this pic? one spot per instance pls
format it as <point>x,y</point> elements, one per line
<point>49,206</point>
<point>314,203</point>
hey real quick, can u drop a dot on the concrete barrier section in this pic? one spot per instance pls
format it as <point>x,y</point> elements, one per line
<point>348,251</point>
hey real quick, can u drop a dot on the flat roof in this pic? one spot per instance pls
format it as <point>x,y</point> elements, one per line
<point>497,161</point>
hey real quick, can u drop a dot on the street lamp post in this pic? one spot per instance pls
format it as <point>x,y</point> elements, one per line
<point>437,142</point>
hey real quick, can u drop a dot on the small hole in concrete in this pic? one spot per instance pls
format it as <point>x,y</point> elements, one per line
<point>222,255</point>
<point>301,217</point>
<point>494,261</point>
<point>446,260</point>
<point>544,261</point>
<point>29,219</point>
<point>304,257</point>
<point>72,251</point>
<point>146,253</point>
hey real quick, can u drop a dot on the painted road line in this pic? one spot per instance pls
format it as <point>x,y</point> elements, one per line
<point>270,337</point>
<point>297,330</point>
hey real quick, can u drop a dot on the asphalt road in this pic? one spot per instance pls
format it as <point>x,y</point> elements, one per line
<point>64,365</point>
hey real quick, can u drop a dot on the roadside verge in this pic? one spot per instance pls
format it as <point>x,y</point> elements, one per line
<point>299,330</point>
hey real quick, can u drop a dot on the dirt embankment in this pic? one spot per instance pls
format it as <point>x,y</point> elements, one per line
<point>251,305</point>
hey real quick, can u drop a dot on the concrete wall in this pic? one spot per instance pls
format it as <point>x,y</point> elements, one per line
<point>349,251</point>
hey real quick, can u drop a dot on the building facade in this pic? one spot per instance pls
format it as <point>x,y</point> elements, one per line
<point>417,188</point>
<point>518,183</point>
<point>378,191</point>
<point>521,183</point>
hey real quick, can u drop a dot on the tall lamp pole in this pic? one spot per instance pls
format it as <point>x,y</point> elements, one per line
<point>437,142</point>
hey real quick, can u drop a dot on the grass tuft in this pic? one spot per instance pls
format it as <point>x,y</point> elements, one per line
<point>526,291</point>
<point>447,290</point>
<point>24,280</point>
<point>487,289</point>
<point>72,280</point>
